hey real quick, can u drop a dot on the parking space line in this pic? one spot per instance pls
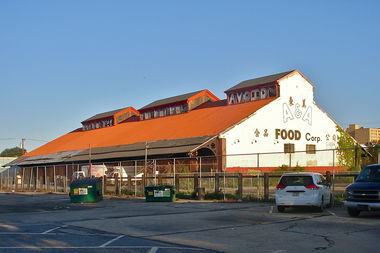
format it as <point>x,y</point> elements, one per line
<point>97,247</point>
<point>51,230</point>
<point>333,214</point>
<point>111,241</point>
<point>153,250</point>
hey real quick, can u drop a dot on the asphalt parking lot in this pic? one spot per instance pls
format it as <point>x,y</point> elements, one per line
<point>50,223</point>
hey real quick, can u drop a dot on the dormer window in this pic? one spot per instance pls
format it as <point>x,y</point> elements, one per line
<point>111,118</point>
<point>272,91</point>
<point>264,93</point>
<point>176,105</point>
<point>258,88</point>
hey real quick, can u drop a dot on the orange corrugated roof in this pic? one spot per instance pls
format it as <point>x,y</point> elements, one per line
<point>205,121</point>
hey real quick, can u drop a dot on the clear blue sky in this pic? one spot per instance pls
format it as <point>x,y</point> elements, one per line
<point>64,61</point>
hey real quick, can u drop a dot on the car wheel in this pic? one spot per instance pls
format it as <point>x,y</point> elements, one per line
<point>329,205</point>
<point>353,212</point>
<point>280,209</point>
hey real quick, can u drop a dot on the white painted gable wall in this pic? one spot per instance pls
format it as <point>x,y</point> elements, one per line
<point>257,133</point>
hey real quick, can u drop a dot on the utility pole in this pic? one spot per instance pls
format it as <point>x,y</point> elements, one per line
<point>22,145</point>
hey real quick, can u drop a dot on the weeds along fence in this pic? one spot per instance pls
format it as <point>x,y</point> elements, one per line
<point>215,185</point>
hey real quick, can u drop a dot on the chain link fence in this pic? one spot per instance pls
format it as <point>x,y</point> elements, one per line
<point>251,176</point>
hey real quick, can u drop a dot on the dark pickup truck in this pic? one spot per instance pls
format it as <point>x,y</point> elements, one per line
<point>364,193</point>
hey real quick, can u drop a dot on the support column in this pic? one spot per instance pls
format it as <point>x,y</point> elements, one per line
<point>221,154</point>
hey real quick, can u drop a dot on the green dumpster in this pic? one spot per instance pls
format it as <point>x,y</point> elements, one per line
<point>86,190</point>
<point>160,193</point>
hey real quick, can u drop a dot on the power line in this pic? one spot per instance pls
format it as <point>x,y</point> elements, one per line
<point>23,139</point>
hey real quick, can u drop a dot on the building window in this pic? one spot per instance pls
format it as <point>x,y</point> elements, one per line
<point>310,149</point>
<point>289,148</point>
<point>255,95</point>
<point>272,91</point>
<point>264,93</point>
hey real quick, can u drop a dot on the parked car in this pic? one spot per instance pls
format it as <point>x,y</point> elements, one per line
<point>303,189</point>
<point>78,174</point>
<point>364,193</point>
<point>118,171</point>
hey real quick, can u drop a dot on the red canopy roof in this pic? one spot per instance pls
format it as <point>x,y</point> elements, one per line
<point>211,119</point>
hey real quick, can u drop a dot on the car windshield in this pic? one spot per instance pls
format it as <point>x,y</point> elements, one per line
<point>296,180</point>
<point>369,174</point>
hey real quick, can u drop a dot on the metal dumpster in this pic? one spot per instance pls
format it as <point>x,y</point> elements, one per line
<point>86,190</point>
<point>160,193</point>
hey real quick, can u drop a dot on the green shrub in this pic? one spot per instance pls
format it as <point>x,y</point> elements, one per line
<point>286,168</point>
<point>182,195</point>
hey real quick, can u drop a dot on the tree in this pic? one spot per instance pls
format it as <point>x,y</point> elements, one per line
<point>346,149</point>
<point>12,152</point>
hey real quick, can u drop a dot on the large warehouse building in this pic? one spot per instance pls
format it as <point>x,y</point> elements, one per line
<point>274,114</point>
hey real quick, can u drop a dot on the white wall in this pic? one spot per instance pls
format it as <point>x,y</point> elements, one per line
<point>294,111</point>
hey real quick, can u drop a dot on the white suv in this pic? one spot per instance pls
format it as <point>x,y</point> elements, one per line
<point>303,189</point>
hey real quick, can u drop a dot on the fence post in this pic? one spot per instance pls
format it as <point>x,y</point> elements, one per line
<point>217,182</point>
<point>16,179</point>
<point>196,182</point>
<point>143,182</point>
<point>22,179</point>
<point>116,184</point>
<point>130,184</point>
<point>240,186</point>
<point>120,185</point>
<point>175,181</point>
<point>36,184</point>
<point>266,186</point>
<point>159,179</point>
<point>333,176</point>
<point>200,172</point>
<point>65,180</point>
<point>104,185</point>
<point>1,181</point>
<point>9,179</point>
<point>177,185</point>
<point>45,179</point>
<point>135,178</point>
<point>30,179</point>
<point>55,179</point>
<point>328,176</point>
